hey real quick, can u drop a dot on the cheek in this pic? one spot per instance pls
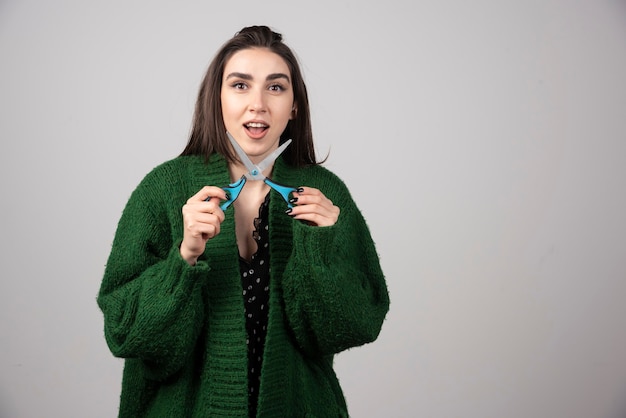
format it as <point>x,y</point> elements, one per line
<point>286,109</point>
<point>224,103</point>
<point>228,109</point>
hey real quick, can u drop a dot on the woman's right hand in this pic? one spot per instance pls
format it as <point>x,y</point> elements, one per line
<point>201,221</point>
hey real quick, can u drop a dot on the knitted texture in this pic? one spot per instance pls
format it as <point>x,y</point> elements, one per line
<point>181,328</point>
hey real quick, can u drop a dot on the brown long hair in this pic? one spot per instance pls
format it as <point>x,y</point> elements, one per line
<point>208,133</point>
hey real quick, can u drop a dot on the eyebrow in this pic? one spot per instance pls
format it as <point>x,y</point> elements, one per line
<point>271,77</point>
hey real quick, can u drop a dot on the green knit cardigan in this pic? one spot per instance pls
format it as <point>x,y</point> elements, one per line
<point>181,328</point>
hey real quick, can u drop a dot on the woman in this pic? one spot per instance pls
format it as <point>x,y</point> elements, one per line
<point>239,312</point>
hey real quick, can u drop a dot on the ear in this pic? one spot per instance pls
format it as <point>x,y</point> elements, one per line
<point>294,112</point>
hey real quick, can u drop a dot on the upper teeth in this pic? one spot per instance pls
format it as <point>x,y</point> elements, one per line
<point>255,125</point>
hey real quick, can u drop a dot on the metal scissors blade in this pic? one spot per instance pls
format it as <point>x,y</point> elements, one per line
<point>269,160</point>
<point>255,171</point>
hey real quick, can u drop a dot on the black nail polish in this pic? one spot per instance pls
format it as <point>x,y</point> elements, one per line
<point>293,200</point>
<point>288,211</point>
<point>300,190</point>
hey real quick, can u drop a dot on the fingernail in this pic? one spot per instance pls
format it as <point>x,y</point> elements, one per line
<point>300,190</point>
<point>288,211</point>
<point>293,200</point>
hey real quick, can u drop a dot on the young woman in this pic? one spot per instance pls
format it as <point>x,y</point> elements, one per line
<point>238,312</point>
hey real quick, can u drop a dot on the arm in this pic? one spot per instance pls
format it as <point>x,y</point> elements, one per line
<point>334,289</point>
<point>151,298</point>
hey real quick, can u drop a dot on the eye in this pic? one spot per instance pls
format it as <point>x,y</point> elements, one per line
<point>276,87</point>
<point>239,85</point>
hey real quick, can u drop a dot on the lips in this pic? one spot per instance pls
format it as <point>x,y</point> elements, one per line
<point>256,129</point>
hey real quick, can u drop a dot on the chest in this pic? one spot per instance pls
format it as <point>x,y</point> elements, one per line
<point>247,208</point>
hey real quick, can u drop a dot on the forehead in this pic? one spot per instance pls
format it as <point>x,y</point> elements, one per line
<point>258,62</point>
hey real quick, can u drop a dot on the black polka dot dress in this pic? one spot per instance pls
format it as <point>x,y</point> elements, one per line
<point>255,281</point>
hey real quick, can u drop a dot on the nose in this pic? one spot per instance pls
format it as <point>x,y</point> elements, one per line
<point>257,102</point>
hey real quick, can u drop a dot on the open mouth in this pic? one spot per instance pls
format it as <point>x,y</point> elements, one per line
<point>256,128</point>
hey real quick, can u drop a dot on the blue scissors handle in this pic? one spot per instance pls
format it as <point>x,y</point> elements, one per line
<point>232,192</point>
<point>282,190</point>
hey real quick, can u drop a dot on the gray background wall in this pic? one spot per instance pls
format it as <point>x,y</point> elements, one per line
<point>484,142</point>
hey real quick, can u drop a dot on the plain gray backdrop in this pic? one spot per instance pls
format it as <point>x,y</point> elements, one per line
<point>484,142</point>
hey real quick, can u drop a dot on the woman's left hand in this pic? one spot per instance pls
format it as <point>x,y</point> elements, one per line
<point>312,206</point>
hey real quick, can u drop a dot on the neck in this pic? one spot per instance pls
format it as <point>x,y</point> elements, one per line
<point>237,170</point>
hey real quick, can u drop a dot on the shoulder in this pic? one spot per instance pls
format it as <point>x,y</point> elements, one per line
<point>178,176</point>
<point>182,169</point>
<point>172,168</point>
<point>155,184</point>
<point>312,173</point>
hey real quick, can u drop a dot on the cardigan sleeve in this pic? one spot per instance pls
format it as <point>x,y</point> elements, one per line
<point>150,297</point>
<point>334,289</point>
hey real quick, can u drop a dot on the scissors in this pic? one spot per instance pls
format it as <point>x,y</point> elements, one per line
<point>255,172</point>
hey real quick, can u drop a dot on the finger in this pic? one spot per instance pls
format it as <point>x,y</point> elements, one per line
<point>317,214</point>
<point>315,219</point>
<point>195,237</point>
<point>211,207</point>
<point>203,218</point>
<point>306,195</point>
<point>312,200</point>
<point>315,204</point>
<point>303,191</point>
<point>204,230</point>
<point>207,192</point>
<point>332,212</point>
<point>198,214</point>
<point>312,196</point>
